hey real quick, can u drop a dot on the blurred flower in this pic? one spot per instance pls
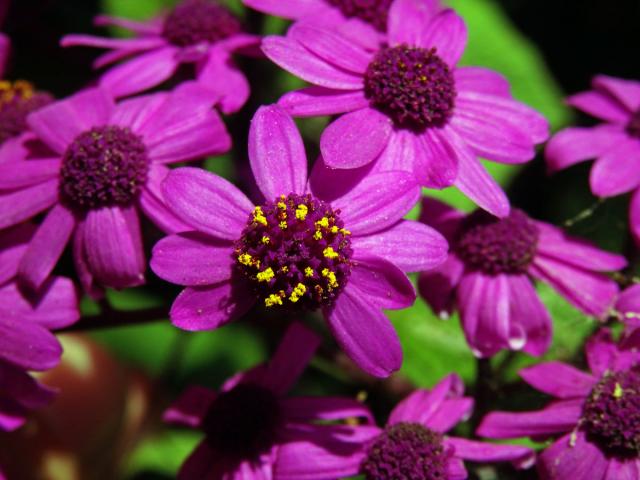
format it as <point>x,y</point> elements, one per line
<point>344,251</point>
<point>413,444</point>
<point>614,144</point>
<point>197,32</point>
<point>628,306</point>
<point>596,415</point>
<point>407,106</point>
<point>489,270</point>
<point>25,340</point>
<point>249,421</point>
<point>103,163</point>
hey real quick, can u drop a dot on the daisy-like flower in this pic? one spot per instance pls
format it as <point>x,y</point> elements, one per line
<point>412,445</point>
<point>615,144</point>
<point>251,419</point>
<point>26,319</point>
<point>344,252</point>
<point>105,163</point>
<point>628,307</point>
<point>596,415</point>
<point>201,33</point>
<point>406,105</point>
<point>488,276</point>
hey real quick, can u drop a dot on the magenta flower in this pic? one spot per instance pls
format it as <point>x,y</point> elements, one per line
<point>412,445</point>
<point>615,144</point>
<point>201,33</point>
<point>596,415</point>
<point>105,162</point>
<point>489,273</point>
<point>342,251</point>
<point>407,103</point>
<point>250,420</point>
<point>628,307</point>
<point>25,340</point>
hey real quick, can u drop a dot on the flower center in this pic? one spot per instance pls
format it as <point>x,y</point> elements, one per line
<point>196,21</point>
<point>296,252</point>
<point>17,100</point>
<point>407,451</point>
<point>494,245</point>
<point>611,414</point>
<point>412,85</point>
<point>103,167</point>
<point>243,421</point>
<point>633,127</point>
<point>373,12</point>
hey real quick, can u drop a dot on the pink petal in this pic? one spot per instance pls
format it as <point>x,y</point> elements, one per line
<point>629,300</point>
<point>441,216</point>
<point>530,320</point>
<point>572,456</point>
<point>622,469</point>
<point>600,105</point>
<point>20,205</point>
<point>14,175</point>
<point>386,285</point>
<point>308,409</point>
<point>13,243</point>
<point>221,75</point>
<point>604,354</point>
<point>83,271</point>
<point>154,206</point>
<point>451,412</point>
<point>559,380</point>
<point>150,27</point>
<point>408,19</point>
<point>447,32</point>
<point>634,216</point>
<point>27,344</point>
<point>438,287</point>
<point>483,452</point>
<point>190,408</point>
<point>436,164</point>
<point>481,80</point>
<point>291,9</point>
<point>316,101</point>
<point>132,45</point>
<point>404,151</point>
<point>617,170</point>
<point>276,153</point>
<point>626,91</point>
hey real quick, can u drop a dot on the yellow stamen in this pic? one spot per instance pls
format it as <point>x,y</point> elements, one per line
<point>329,275</point>
<point>323,222</point>
<point>283,225</point>
<point>329,252</point>
<point>245,259</point>
<point>308,272</point>
<point>266,275</point>
<point>317,235</point>
<point>265,240</point>
<point>301,212</point>
<point>274,299</point>
<point>297,292</point>
<point>258,216</point>
<point>618,391</point>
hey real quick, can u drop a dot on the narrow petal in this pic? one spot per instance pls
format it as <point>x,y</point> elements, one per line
<point>296,59</point>
<point>27,344</point>
<point>384,283</point>
<point>436,163</point>
<point>13,244</point>
<point>626,91</point>
<point>629,300</point>
<point>572,456</point>
<point>617,170</point>
<point>86,277</point>
<point>207,202</point>
<point>622,470</point>
<point>130,44</point>
<point>530,321</point>
<point>308,409</point>
<point>154,206</point>
<point>451,412</point>
<point>190,408</point>
<point>438,287</point>
<point>600,105</point>
<point>407,20</point>
<point>330,184</point>
<point>276,153</point>
<point>149,27</point>
<point>20,205</point>
<point>192,259</point>
<point>113,246</point>
<point>481,80</point>
<point>404,151</point>
<point>202,463</point>
<point>488,453</point>
<point>412,246</point>
<point>206,308</point>
<point>291,9</point>
<point>137,111</point>
<point>441,216</point>
<point>378,202</point>
<point>47,246</point>
<point>355,139</point>
<point>447,32</point>
<point>22,388</point>
<point>634,216</point>
<point>602,352</point>
<point>559,379</point>
<point>365,333</point>
<point>24,174</point>
<point>221,75</point>
<point>317,101</point>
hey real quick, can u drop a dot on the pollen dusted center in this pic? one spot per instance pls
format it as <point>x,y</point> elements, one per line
<point>374,12</point>
<point>196,21</point>
<point>611,414</point>
<point>296,252</point>
<point>412,85</point>
<point>17,100</point>
<point>407,450</point>
<point>103,167</point>
<point>494,245</point>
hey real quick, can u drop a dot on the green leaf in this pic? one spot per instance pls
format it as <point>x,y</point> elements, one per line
<point>163,453</point>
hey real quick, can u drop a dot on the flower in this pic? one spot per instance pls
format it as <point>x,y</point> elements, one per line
<point>408,104</point>
<point>412,445</point>
<point>342,250</point>
<point>249,421</point>
<point>105,162</point>
<point>596,415</point>
<point>489,272</point>
<point>26,319</point>
<point>198,32</point>
<point>628,308</point>
<point>615,144</point>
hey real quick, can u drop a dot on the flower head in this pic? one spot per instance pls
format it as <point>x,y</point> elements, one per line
<point>488,276</point>
<point>198,32</point>
<point>249,421</point>
<point>340,247</point>
<point>407,101</point>
<point>596,415</point>
<point>102,164</point>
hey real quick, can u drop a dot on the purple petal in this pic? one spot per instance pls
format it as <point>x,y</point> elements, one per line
<point>60,123</point>
<point>626,91</point>
<point>402,153</point>
<point>407,20</point>
<point>137,111</point>
<point>617,169</point>
<point>13,244</point>
<point>85,275</point>
<point>622,469</point>
<point>378,202</point>
<point>329,184</point>
<point>149,27</point>
<point>629,300</point>
<point>530,319</point>
<point>441,216</point>
<point>575,144</point>
<point>207,202</point>
<point>20,205</point>
<point>141,73</point>
<point>5,51</point>
<point>202,463</point>
<point>276,153</point>
<point>634,216</point>
<point>412,246</point>
<point>438,287</point>
<point>488,453</point>
<point>447,32</point>
<point>316,101</point>
<point>572,456</point>
<point>600,105</point>
<point>15,175</point>
<point>131,45</point>
<point>23,389</point>
<point>559,380</point>
<point>365,333</point>
<point>385,284</point>
<point>436,165</point>
<point>153,205</point>
<point>355,139</point>
<point>291,9</point>
<point>602,352</point>
<point>451,412</point>
<point>207,308</point>
<point>296,59</point>
<point>190,408</point>
<point>27,344</point>
<point>221,75</point>
<point>47,246</point>
<point>112,242</point>
<point>481,80</point>
<point>308,409</point>
<point>192,259</point>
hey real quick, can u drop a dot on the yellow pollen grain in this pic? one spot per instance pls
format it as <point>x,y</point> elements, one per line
<point>301,212</point>
<point>274,299</point>
<point>308,272</point>
<point>297,292</point>
<point>258,216</point>
<point>317,235</point>
<point>344,231</point>
<point>284,269</point>
<point>265,240</point>
<point>245,259</point>
<point>266,275</point>
<point>334,229</point>
<point>282,205</point>
<point>618,391</point>
<point>333,283</point>
<point>323,222</point>
<point>283,225</point>
<point>329,252</point>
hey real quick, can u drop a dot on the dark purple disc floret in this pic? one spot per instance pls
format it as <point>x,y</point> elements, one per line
<point>196,21</point>
<point>17,100</point>
<point>374,12</point>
